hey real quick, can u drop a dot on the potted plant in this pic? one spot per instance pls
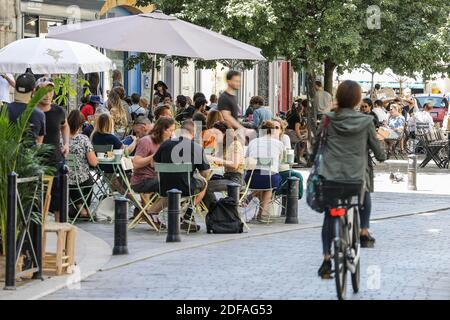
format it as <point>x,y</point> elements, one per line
<point>19,154</point>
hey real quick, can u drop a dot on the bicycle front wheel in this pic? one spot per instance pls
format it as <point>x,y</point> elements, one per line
<point>340,266</point>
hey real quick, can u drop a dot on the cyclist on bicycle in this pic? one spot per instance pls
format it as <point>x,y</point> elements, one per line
<point>350,135</point>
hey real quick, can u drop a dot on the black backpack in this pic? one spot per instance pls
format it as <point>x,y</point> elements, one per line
<point>223,217</point>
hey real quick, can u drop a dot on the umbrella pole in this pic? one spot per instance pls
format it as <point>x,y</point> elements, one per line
<point>152,81</point>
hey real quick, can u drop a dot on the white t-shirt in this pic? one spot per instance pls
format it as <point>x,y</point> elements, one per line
<point>266,147</point>
<point>381,114</point>
<point>421,117</point>
<point>4,89</point>
<point>286,141</point>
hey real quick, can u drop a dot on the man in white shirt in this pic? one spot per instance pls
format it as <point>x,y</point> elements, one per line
<point>6,81</point>
<point>423,116</point>
<point>323,101</point>
<point>379,110</point>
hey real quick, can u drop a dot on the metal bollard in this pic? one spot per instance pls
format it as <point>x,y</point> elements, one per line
<point>11,222</point>
<point>173,216</point>
<point>412,172</point>
<point>283,205</point>
<point>233,190</point>
<point>64,195</point>
<point>120,226</point>
<point>292,201</point>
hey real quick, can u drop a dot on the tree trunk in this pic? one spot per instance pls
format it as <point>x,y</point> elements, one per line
<point>329,67</point>
<point>311,111</point>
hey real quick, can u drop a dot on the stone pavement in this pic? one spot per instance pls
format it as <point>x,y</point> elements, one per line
<point>409,262</point>
<point>390,200</point>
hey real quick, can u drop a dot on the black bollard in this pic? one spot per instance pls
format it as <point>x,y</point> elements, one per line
<point>283,205</point>
<point>292,201</point>
<point>173,216</point>
<point>233,191</point>
<point>64,195</point>
<point>120,226</point>
<point>11,222</point>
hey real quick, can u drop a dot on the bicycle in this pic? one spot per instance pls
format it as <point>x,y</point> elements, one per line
<point>345,248</point>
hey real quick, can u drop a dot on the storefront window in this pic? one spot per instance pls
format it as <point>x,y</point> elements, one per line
<point>188,80</point>
<point>30,26</point>
<point>45,24</point>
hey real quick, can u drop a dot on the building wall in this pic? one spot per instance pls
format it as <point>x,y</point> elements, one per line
<point>8,22</point>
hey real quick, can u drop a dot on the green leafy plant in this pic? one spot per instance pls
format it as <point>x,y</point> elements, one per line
<point>19,154</point>
<point>66,89</point>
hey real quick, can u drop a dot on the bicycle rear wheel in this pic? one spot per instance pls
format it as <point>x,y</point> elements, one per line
<point>340,266</point>
<point>355,246</point>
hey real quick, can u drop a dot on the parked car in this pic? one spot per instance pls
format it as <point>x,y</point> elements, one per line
<point>439,102</point>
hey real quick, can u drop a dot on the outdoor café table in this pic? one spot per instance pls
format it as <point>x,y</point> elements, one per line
<point>118,172</point>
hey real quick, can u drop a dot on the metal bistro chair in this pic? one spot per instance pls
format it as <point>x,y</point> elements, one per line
<point>103,187</point>
<point>182,168</point>
<point>85,192</point>
<point>264,165</point>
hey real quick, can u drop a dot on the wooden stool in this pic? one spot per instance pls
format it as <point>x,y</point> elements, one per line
<point>64,257</point>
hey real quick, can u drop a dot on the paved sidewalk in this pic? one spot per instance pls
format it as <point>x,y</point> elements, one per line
<point>91,254</point>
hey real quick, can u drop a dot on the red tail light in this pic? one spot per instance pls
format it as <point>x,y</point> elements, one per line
<point>338,212</point>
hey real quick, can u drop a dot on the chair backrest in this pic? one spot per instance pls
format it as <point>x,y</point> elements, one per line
<point>103,148</point>
<point>173,167</point>
<point>264,162</point>
<point>47,187</point>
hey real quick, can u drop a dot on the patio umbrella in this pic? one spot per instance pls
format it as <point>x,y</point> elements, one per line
<point>52,56</point>
<point>157,33</point>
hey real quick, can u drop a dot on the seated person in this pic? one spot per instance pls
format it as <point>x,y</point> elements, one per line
<point>266,146</point>
<point>183,150</point>
<point>80,146</point>
<point>260,114</point>
<point>232,160</point>
<point>209,136</point>
<point>141,127</point>
<point>285,170</point>
<point>144,179</point>
<point>423,117</point>
<point>163,111</point>
<point>89,108</point>
<point>103,136</point>
<point>395,124</point>
<point>297,131</point>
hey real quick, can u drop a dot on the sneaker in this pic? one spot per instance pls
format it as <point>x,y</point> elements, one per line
<point>325,270</point>
<point>192,227</point>
<point>367,241</point>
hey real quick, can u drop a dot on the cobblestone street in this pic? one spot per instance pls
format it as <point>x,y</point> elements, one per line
<point>409,262</point>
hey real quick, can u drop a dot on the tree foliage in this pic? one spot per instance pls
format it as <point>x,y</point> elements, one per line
<point>413,37</point>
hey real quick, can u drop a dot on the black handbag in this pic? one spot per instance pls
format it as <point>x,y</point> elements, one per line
<point>314,194</point>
